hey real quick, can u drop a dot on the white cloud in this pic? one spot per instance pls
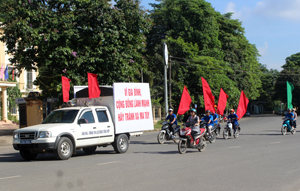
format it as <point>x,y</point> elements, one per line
<point>272,9</point>
<point>237,14</point>
<point>263,50</point>
<point>280,9</point>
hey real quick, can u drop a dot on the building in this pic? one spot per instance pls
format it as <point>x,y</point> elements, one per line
<point>24,78</point>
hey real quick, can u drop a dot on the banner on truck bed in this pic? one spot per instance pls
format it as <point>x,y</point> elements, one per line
<point>133,110</point>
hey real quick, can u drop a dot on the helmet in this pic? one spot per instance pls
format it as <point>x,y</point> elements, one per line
<point>293,109</point>
<point>170,109</point>
<point>207,111</point>
<point>289,110</point>
<point>232,110</point>
<point>193,110</point>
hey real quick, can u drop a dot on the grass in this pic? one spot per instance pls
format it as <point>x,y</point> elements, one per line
<point>157,126</point>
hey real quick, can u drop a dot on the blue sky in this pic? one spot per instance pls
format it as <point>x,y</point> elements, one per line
<point>272,25</point>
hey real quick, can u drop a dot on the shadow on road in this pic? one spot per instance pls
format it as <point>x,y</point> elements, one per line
<point>167,152</point>
<point>272,134</point>
<point>150,143</point>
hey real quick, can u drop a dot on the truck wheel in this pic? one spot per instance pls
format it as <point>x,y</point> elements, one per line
<point>27,154</point>
<point>121,143</point>
<point>89,150</point>
<point>64,149</point>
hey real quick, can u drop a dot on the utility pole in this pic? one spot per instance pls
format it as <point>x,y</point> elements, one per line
<point>170,86</point>
<point>166,58</point>
<point>142,77</point>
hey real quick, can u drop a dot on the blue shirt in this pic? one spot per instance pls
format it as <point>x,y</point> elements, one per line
<point>290,116</point>
<point>231,116</point>
<point>172,117</point>
<point>216,116</point>
<point>207,118</point>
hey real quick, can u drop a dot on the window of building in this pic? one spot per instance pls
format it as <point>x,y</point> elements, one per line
<point>29,80</point>
<point>13,110</point>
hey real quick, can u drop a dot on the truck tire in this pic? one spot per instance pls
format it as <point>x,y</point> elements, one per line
<point>121,143</point>
<point>28,155</point>
<point>64,149</point>
<point>89,150</point>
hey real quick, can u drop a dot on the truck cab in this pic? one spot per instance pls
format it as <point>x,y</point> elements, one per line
<point>69,129</point>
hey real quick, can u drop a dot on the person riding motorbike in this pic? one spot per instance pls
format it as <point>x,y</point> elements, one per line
<point>216,118</point>
<point>195,124</point>
<point>289,116</point>
<point>209,119</point>
<point>295,117</point>
<point>173,121</point>
<point>233,118</point>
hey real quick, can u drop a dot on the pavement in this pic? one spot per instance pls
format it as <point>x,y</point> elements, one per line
<point>261,159</point>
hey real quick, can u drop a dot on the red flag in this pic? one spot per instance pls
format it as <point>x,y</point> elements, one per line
<point>94,90</point>
<point>209,99</point>
<point>65,88</point>
<point>185,102</point>
<point>13,75</point>
<point>243,104</point>
<point>222,102</point>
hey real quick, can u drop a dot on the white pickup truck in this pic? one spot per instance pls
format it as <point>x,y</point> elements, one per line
<point>87,127</point>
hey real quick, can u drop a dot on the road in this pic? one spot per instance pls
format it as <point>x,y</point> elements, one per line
<point>260,159</point>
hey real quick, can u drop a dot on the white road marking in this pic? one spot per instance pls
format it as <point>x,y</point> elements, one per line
<point>234,147</point>
<point>293,171</point>
<point>10,177</point>
<point>275,142</point>
<point>109,163</point>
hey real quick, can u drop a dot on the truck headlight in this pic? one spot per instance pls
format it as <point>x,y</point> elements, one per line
<point>45,134</point>
<point>16,135</point>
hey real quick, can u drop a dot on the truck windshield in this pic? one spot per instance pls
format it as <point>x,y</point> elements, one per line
<point>61,116</point>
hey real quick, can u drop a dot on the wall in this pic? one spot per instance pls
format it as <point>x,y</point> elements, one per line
<point>34,111</point>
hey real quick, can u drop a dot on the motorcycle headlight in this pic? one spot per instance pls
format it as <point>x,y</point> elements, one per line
<point>45,134</point>
<point>182,132</point>
<point>16,135</point>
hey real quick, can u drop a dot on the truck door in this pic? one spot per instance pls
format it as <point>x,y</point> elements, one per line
<point>86,133</point>
<point>106,126</point>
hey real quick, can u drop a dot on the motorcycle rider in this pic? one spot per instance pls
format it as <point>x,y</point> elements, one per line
<point>233,118</point>
<point>289,116</point>
<point>195,124</point>
<point>209,119</point>
<point>295,117</point>
<point>173,121</point>
<point>216,118</point>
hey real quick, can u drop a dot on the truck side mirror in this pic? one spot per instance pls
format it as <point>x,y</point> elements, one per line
<point>80,121</point>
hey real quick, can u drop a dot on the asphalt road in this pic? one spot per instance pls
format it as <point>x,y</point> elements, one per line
<point>260,159</point>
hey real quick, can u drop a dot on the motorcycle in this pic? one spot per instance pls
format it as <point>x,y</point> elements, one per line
<point>228,131</point>
<point>218,129</point>
<point>287,127</point>
<point>186,139</point>
<point>214,130</point>
<point>166,134</point>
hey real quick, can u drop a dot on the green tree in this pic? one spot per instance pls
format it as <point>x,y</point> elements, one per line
<point>291,73</point>
<point>267,91</point>
<point>72,38</point>
<point>209,44</point>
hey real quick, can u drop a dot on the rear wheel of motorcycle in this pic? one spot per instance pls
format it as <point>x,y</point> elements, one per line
<point>283,130</point>
<point>203,144</point>
<point>218,132</point>
<point>161,137</point>
<point>225,134</point>
<point>176,140</point>
<point>236,134</point>
<point>293,131</point>
<point>213,138</point>
<point>182,146</point>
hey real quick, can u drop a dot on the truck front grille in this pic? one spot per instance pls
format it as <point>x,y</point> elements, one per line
<point>31,135</point>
